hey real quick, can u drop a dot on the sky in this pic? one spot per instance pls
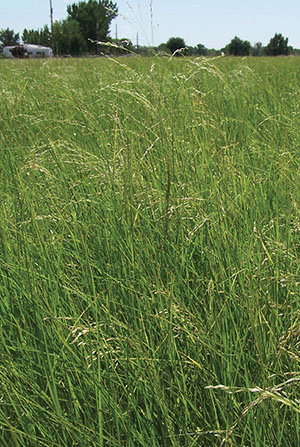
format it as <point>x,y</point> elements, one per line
<point>210,22</point>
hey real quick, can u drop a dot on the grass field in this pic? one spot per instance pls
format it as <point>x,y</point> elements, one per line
<point>150,238</point>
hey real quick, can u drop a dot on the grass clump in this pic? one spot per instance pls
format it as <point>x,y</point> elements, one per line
<point>149,252</point>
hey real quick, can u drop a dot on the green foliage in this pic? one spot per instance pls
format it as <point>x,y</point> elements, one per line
<point>94,18</point>
<point>238,47</point>
<point>278,46</point>
<point>258,49</point>
<point>68,38</point>
<point>175,44</point>
<point>201,50</point>
<point>38,37</point>
<point>8,37</point>
<point>163,49</point>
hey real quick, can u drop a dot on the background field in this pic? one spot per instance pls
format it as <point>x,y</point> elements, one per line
<point>150,237</point>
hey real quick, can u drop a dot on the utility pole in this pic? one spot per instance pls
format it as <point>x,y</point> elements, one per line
<point>52,28</point>
<point>98,49</point>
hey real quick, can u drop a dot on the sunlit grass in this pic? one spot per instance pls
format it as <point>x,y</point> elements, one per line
<point>150,231</point>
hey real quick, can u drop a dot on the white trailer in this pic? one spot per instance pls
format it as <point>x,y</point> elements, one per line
<point>38,50</point>
<point>29,50</point>
<point>6,51</point>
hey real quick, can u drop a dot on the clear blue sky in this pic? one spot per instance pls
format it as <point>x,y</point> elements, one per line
<point>211,22</point>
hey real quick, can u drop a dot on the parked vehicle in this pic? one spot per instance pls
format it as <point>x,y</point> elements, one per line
<point>27,50</point>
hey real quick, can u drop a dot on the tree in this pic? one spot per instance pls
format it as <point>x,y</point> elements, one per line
<point>94,18</point>
<point>30,36</point>
<point>163,49</point>
<point>68,38</point>
<point>39,36</point>
<point>8,37</point>
<point>258,49</point>
<point>238,47</point>
<point>277,46</point>
<point>175,44</point>
<point>201,50</point>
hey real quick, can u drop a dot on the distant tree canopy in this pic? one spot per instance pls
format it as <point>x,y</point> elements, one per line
<point>88,24</point>
<point>201,50</point>
<point>162,48</point>
<point>68,39</point>
<point>39,36</point>
<point>238,47</point>
<point>8,37</point>
<point>277,46</point>
<point>166,48</point>
<point>175,44</point>
<point>94,19</point>
<point>258,49</point>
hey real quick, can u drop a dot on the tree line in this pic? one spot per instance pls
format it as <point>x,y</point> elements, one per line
<point>88,22</point>
<point>277,46</point>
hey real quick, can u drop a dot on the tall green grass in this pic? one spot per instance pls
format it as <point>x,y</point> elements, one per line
<point>149,268</point>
